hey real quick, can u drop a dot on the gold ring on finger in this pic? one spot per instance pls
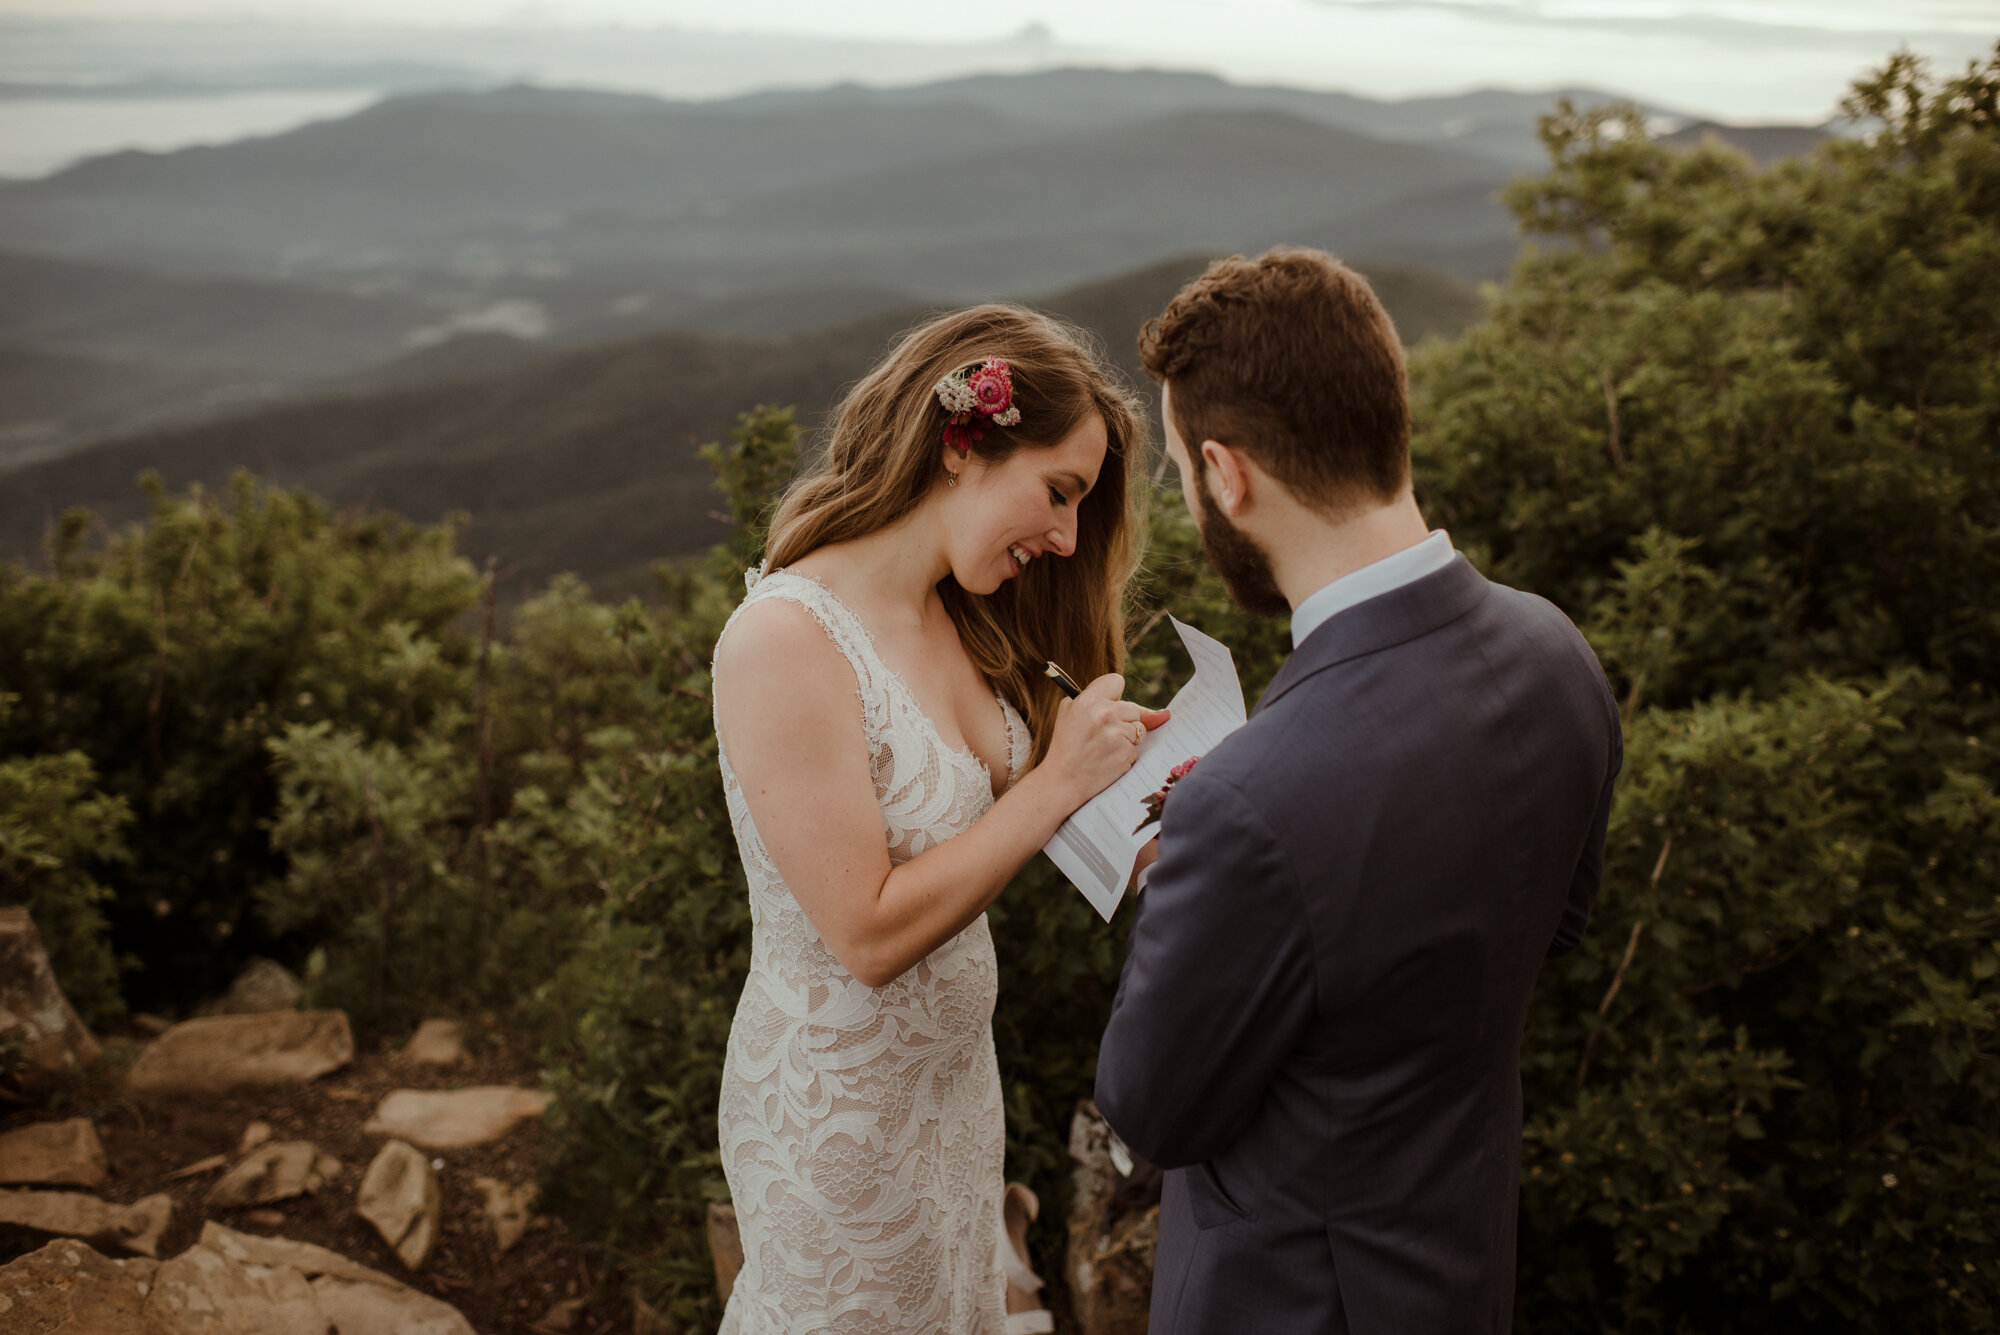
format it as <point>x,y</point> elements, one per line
<point>1138,732</point>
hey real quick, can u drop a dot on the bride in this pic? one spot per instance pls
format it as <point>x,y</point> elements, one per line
<point>892,754</point>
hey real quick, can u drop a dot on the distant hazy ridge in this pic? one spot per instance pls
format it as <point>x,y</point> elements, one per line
<point>353,273</point>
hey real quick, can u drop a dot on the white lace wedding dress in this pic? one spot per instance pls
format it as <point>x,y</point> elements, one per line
<point>861,1128</point>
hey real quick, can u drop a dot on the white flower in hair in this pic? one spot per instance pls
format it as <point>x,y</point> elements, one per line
<point>985,390</point>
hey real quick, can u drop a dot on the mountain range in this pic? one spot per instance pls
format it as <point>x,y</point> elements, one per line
<point>581,460</point>
<point>496,300</point>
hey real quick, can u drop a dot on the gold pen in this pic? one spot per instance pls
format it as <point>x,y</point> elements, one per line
<point>1062,679</point>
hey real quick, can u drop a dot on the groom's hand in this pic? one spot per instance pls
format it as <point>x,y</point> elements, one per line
<point>1148,855</point>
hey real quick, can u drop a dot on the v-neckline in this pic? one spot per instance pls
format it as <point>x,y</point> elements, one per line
<point>964,751</point>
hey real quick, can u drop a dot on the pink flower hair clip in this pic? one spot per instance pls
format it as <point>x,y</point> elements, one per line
<point>982,391</point>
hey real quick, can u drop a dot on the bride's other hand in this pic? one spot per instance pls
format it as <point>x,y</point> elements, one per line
<point>1095,740</point>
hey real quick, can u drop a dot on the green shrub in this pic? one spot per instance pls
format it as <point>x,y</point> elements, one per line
<point>56,830</point>
<point>169,658</point>
<point>1741,426</point>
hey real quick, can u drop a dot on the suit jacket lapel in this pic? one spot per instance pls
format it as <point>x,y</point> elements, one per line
<point>1400,615</point>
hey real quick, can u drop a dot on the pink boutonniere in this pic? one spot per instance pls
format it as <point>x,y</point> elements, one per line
<point>1157,802</point>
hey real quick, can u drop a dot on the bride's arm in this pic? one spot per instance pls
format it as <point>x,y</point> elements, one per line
<point>786,707</point>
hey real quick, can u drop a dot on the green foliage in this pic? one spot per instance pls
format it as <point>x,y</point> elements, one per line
<point>168,660</point>
<point>55,829</point>
<point>1741,425</point>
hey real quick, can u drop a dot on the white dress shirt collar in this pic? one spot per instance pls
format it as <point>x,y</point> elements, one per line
<point>1433,554</point>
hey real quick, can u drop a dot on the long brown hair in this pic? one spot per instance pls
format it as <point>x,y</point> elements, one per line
<point>882,457</point>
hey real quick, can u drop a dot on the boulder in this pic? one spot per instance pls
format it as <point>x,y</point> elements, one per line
<point>70,1288</point>
<point>54,1154</point>
<point>353,1298</point>
<point>399,1195</point>
<point>371,1309</point>
<point>201,1290</point>
<point>222,1052</point>
<point>275,1172</point>
<point>262,987</point>
<point>437,1043</point>
<point>32,1006</point>
<point>451,1119</point>
<point>1114,1225</point>
<point>132,1228</point>
<point>725,1246</point>
<point>507,1209</point>
<point>228,1283</point>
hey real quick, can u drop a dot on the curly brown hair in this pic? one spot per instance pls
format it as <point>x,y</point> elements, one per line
<point>1290,358</point>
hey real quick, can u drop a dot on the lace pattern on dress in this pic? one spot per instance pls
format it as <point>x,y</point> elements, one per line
<point>861,1128</point>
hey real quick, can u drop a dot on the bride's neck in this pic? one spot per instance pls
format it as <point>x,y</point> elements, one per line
<point>895,571</point>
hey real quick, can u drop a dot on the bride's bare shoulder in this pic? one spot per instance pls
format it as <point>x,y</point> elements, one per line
<point>775,650</point>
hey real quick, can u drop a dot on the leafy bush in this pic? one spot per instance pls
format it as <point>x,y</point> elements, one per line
<point>170,657</point>
<point>1741,426</point>
<point>56,828</point>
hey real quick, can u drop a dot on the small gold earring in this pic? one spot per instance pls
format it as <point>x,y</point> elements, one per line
<point>950,478</point>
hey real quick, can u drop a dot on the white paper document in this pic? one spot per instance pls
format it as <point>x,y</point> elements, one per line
<point>1096,846</point>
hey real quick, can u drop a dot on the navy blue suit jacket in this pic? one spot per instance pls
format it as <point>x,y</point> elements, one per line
<point>1318,1029</point>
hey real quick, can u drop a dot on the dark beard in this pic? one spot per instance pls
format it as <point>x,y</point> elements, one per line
<point>1245,570</point>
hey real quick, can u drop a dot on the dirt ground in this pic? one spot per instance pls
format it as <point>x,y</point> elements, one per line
<point>500,1295</point>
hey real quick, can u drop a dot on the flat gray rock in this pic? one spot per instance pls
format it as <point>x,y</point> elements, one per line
<point>53,1154</point>
<point>452,1119</point>
<point>399,1196</point>
<point>274,1172</point>
<point>437,1043</point>
<point>203,1291</point>
<point>507,1209</point>
<point>72,1214</point>
<point>216,1053</point>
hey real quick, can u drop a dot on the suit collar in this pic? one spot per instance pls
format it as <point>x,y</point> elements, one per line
<point>1402,614</point>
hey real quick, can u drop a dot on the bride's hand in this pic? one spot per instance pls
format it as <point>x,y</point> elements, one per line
<point>1097,737</point>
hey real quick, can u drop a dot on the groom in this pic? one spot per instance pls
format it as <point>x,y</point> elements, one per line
<point>1318,1031</point>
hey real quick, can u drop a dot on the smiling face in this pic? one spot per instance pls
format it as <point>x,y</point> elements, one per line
<point>1008,515</point>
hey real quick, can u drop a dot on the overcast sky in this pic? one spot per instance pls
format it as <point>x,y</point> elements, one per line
<point>1738,59</point>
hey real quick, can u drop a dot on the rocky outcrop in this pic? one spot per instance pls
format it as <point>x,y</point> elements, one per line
<point>452,1119</point>
<point>32,1006</point>
<point>223,1052</point>
<point>399,1196</point>
<point>53,1154</point>
<point>274,1172</point>
<point>228,1283</point>
<point>203,1290</point>
<point>68,1287</point>
<point>1114,1225</point>
<point>72,1214</point>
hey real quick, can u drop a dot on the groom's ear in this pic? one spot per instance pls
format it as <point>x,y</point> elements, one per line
<point>1229,476</point>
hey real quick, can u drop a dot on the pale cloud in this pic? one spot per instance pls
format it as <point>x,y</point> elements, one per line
<point>1736,59</point>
